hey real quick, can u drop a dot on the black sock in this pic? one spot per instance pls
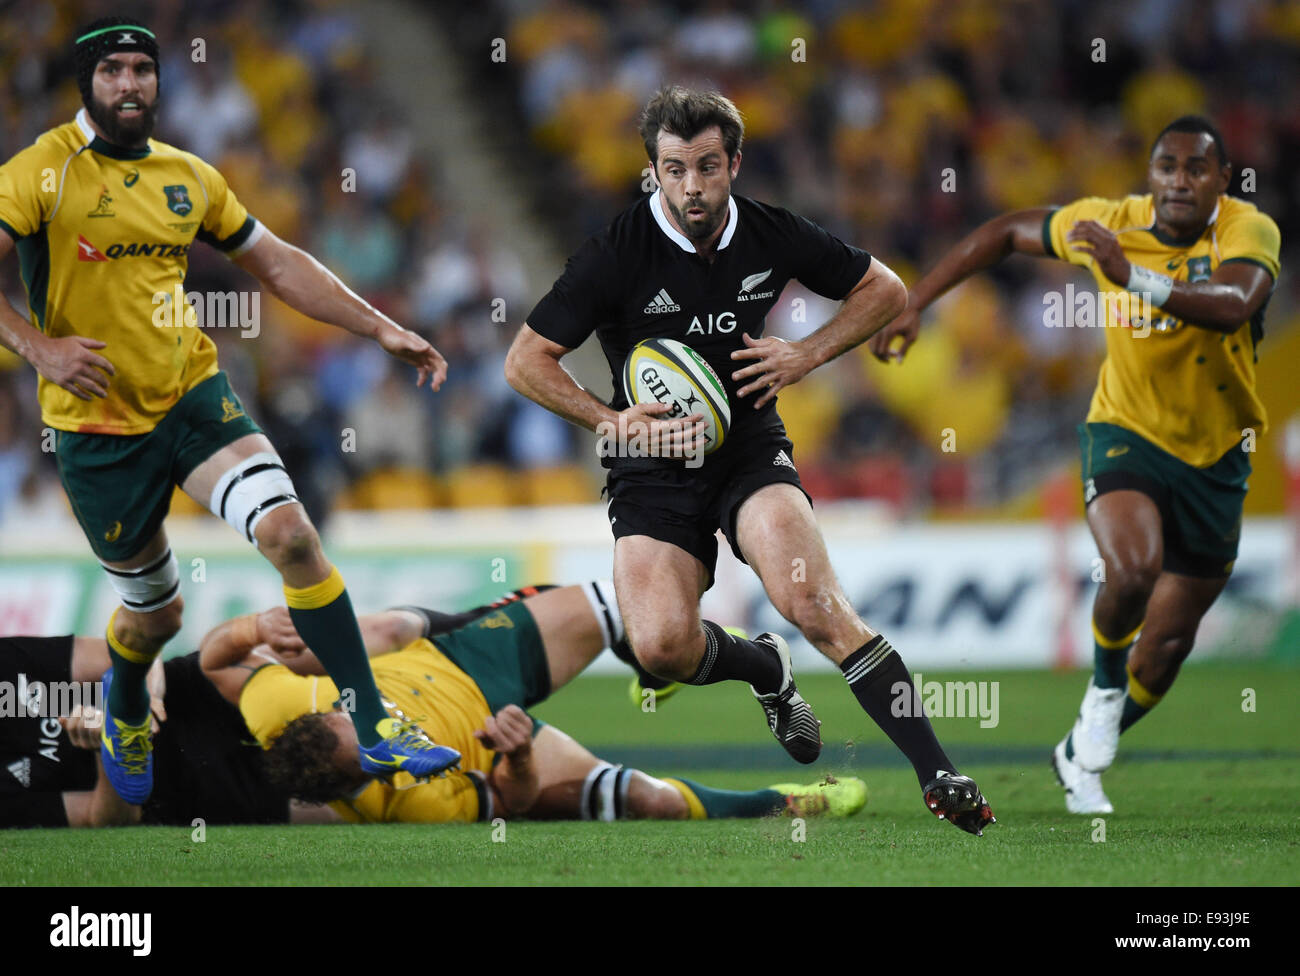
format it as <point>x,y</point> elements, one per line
<point>623,651</point>
<point>731,658</point>
<point>874,673</point>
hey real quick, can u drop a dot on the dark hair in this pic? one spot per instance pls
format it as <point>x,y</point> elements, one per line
<point>300,761</point>
<point>1197,124</point>
<point>686,113</point>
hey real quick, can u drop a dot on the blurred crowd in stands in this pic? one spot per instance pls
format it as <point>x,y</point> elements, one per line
<point>898,124</point>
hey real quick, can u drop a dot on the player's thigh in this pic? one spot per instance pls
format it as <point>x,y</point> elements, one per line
<point>563,766</point>
<point>152,550</point>
<point>658,586</point>
<point>244,483</point>
<point>1128,528</point>
<point>201,482</point>
<point>148,588</point>
<point>1174,613</point>
<point>120,489</point>
<point>571,634</point>
<point>779,537</point>
<point>560,758</point>
<point>89,658</point>
<point>1126,489</point>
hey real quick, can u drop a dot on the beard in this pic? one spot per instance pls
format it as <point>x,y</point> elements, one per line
<point>129,133</point>
<point>699,230</point>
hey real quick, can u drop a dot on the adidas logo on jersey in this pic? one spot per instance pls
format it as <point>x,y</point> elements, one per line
<point>782,459</point>
<point>661,304</point>
<point>22,771</point>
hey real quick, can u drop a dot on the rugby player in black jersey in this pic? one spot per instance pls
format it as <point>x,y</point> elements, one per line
<point>696,263</point>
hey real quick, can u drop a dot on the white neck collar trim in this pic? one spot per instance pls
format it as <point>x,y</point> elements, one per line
<point>83,123</point>
<point>680,239</point>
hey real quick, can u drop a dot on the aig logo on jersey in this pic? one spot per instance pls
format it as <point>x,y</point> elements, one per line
<point>723,323</point>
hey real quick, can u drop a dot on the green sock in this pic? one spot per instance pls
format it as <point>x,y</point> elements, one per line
<point>730,803</point>
<point>1132,712</point>
<point>128,695</point>
<point>324,619</point>
<point>1109,658</point>
<point>1137,702</point>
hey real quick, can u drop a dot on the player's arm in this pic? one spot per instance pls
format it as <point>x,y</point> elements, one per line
<point>877,298</point>
<point>534,369</point>
<point>1020,232</point>
<point>300,281</point>
<point>101,806</point>
<point>232,651</point>
<point>69,362</point>
<point>1234,293</point>
<point>514,778</point>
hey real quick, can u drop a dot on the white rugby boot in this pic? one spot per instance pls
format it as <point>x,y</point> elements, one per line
<point>1083,792</point>
<point>1096,730</point>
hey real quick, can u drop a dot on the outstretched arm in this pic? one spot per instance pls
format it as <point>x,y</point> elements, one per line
<point>300,281</point>
<point>1020,232</point>
<point>875,300</point>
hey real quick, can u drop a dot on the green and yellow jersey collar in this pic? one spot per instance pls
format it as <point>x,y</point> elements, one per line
<point>103,146</point>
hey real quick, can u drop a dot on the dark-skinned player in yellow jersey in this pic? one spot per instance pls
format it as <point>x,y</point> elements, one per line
<point>103,217</point>
<point>1164,463</point>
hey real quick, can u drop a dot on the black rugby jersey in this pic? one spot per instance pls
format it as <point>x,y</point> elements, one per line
<point>37,762</point>
<point>206,762</point>
<point>641,278</point>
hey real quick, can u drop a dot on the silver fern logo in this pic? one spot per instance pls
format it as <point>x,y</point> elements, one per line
<point>750,282</point>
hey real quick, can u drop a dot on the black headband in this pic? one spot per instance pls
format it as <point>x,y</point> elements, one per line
<point>103,38</point>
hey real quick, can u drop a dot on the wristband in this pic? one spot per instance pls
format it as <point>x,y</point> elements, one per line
<point>1144,280</point>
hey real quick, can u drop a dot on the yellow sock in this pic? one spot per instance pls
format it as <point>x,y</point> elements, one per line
<point>692,801</point>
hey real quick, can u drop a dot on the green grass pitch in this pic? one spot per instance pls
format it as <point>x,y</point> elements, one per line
<point>1205,793</point>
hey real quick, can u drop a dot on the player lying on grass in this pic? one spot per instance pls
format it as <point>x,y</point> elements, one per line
<point>50,771</point>
<point>207,762</point>
<point>469,688</point>
<point>208,765</point>
<point>1165,443</point>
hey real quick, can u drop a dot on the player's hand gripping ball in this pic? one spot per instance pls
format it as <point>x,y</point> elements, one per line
<point>671,372</point>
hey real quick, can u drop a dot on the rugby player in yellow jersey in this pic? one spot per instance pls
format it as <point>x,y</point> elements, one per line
<point>1164,458</point>
<point>103,218</point>
<point>468,687</point>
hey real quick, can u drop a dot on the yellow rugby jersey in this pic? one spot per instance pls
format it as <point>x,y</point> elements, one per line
<point>1188,390</point>
<point>103,233</point>
<point>420,683</point>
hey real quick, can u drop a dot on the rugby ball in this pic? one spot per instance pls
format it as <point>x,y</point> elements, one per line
<point>668,371</point>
